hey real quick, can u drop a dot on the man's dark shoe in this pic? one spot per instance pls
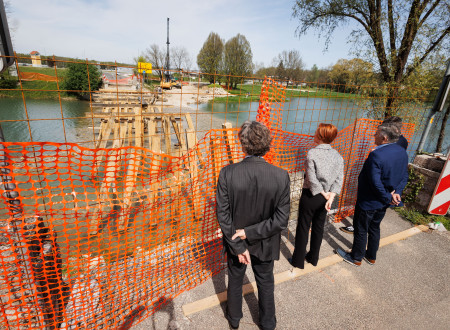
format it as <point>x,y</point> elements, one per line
<point>232,326</point>
<point>309,261</point>
<point>348,258</point>
<point>348,229</point>
<point>369,261</point>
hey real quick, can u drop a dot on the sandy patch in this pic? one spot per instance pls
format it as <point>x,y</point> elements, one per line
<point>190,94</point>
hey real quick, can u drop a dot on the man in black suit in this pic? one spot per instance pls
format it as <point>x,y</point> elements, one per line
<point>253,202</point>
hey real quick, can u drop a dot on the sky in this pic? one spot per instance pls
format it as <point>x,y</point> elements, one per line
<point>118,30</point>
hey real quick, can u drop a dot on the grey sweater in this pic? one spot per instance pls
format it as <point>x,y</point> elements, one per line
<point>324,170</point>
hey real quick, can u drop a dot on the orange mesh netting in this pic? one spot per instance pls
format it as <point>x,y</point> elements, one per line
<point>106,234</point>
<point>37,76</point>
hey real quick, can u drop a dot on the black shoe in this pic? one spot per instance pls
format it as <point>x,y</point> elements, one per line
<point>232,326</point>
<point>290,261</point>
<point>309,261</point>
<point>348,229</point>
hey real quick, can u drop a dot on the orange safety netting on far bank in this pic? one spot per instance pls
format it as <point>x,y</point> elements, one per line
<point>37,76</point>
<point>96,238</point>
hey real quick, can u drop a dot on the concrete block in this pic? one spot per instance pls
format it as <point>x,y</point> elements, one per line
<point>425,172</point>
<point>431,163</point>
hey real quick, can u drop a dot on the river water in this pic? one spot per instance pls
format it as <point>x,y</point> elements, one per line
<point>300,115</point>
<point>52,128</point>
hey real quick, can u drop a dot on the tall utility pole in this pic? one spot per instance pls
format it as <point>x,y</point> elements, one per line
<point>168,54</point>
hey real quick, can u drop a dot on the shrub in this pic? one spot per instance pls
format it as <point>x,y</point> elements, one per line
<point>76,80</point>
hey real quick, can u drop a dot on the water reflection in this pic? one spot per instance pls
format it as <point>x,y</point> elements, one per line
<point>300,115</point>
<point>52,124</point>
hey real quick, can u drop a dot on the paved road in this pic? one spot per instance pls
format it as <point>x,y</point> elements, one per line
<point>408,288</point>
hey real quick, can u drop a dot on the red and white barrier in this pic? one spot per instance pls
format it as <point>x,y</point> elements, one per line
<point>440,201</point>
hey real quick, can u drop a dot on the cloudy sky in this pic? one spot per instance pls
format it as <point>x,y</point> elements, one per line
<point>108,30</point>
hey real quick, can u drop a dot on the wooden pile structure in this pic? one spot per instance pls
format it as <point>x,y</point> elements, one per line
<point>139,123</point>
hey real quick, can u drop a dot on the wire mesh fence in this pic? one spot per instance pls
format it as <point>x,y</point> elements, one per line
<point>108,203</point>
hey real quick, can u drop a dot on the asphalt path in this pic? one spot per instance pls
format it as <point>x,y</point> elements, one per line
<point>407,288</point>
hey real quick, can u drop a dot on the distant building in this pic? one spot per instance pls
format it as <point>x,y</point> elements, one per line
<point>36,58</point>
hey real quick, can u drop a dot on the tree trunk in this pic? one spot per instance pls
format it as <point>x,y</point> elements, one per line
<point>390,108</point>
<point>442,131</point>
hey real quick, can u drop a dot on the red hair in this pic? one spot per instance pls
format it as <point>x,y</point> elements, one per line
<point>326,132</point>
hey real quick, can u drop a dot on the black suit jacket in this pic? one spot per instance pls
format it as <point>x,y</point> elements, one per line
<point>255,196</point>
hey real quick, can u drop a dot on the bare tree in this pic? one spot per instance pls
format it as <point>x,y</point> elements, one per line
<point>293,65</point>
<point>156,57</point>
<point>179,57</point>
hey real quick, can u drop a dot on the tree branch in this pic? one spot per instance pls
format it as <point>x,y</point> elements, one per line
<point>433,45</point>
<point>433,7</point>
<point>391,28</point>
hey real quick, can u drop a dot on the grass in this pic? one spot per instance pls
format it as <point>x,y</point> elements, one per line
<point>38,89</point>
<point>252,92</point>
<point>47,71</point>
<point>422,218</point>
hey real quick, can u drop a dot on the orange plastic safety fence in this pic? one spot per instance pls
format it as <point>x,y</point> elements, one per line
<point>106,234</point>
<point>37,76</point>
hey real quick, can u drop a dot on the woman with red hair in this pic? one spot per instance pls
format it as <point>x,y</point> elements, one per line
<point>323,180</point>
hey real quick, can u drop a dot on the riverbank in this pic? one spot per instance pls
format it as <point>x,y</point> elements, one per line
<point>252,92</point>
<point>37,89</point>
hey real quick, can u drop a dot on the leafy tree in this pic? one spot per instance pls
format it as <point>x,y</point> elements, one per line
<point>313,74</point>
<point>266,72</point>
<point>351,74</point>
<point>238,59</point>
<point>210,57</point>
<point>76,79</point>
<point>280,71</point>
<point>293,65</point>
<point>156,57</point>
<point>401,34</point>
<point>7,81</point>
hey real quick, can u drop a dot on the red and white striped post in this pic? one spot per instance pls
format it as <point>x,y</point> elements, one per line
<point>440,201</point>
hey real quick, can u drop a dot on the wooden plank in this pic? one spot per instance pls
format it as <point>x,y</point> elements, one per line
<point>153,139</point>
<point>167,137</point>
<point>189,121</point>
<point>116,134</point>
<point>130,131</point>
<point>138,127</point>
<point>230,143</point>
<point>176,128</point>
<point>182,139</point>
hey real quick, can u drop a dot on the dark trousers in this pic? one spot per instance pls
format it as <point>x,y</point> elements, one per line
<point>311,210</point>
<point>367,232</point>
<point>263,271</point>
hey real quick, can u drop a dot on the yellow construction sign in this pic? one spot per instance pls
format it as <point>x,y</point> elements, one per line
<point>145,67</point>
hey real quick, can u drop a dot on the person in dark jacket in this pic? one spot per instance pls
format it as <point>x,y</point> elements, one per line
<point>380,184</point>
<point>396,122</point>
<point>253,203</point>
